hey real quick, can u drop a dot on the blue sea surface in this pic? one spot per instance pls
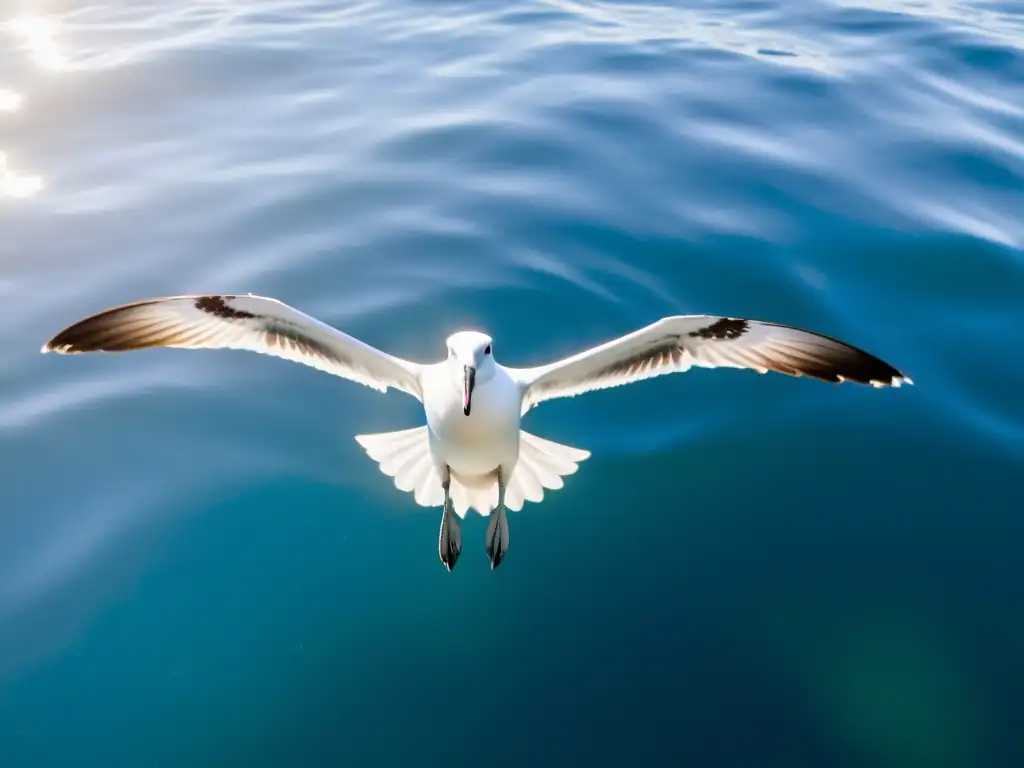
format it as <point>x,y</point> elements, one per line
<point>199,566</point>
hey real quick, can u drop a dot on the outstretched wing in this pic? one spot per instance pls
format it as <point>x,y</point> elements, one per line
<point>227,321</point>
<point>675,344</point>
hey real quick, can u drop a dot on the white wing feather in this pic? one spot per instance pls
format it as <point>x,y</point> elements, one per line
<point>675,344</point>
<point>228,321</point>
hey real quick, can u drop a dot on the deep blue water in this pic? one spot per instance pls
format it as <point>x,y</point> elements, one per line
<point>198,564</point>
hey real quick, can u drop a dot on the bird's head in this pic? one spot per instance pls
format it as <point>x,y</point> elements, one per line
<point>471,359</point>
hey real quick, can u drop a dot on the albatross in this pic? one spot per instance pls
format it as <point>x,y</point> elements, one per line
<point>472,453</point>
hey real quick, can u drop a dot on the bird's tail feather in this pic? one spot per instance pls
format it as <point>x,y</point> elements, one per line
<point>405,456</point>
<point>542,465</point>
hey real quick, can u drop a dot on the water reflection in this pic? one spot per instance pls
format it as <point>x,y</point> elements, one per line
<point>718,28</point>
<point>1003,25</point>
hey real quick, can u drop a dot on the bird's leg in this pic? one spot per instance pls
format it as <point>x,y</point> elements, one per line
<point>449,541</point>
<point>497,528</point>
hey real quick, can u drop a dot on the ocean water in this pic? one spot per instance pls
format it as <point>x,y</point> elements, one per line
<point>200,567</point>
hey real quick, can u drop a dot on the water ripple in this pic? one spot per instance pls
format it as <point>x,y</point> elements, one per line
<point>556,172</point>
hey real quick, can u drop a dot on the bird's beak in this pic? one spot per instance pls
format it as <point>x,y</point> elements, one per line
<point>468,380</point>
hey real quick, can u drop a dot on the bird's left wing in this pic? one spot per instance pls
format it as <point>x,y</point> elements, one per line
<point>676,344</point>
<point>228,321</point>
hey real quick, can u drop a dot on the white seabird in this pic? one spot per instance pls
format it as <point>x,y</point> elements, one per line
<point>472,453</point>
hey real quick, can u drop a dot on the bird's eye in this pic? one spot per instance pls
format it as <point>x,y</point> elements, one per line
<point>487,351</point>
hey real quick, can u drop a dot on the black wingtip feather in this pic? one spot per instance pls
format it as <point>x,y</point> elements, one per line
<point>838,362</point>
<point>103,331</point>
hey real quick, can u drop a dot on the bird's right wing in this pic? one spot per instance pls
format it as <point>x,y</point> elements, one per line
<point>228,321</point>
<point>675,344</point>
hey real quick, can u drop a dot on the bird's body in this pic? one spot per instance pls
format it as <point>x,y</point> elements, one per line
<point>472,445</point>
<point>472,453</point>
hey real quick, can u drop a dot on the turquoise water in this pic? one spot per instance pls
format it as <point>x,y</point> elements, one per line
<point>198,564</point>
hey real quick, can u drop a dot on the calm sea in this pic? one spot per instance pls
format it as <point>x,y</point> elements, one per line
<point>200,567</point>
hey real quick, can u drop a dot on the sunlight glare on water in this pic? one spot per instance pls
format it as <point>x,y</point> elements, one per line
<point>9,100</point>
<point>38,36</point>
<point>15,184</point>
